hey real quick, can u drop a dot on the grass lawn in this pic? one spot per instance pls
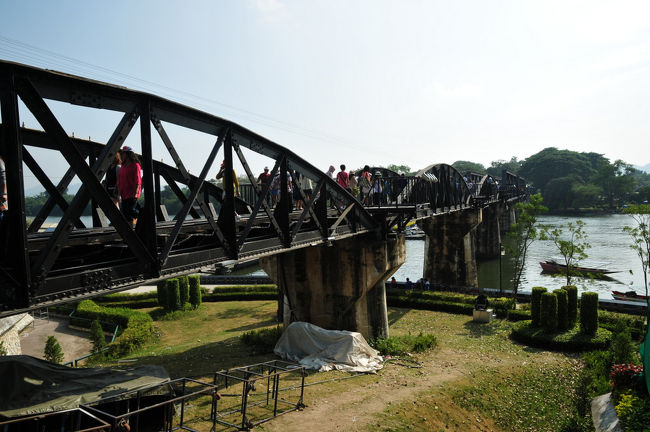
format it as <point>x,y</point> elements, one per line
<point>476,379</point>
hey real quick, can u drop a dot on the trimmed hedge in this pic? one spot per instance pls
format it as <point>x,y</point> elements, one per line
<point>562,309</point>
<point>242,289</point>
<point>433,295</point>
<point>428,304</point>
<point>569,341</point>
<point>572,303</point>
<point>635,323</point>
<point>161,288</point>
<point>589,312</point>
<point>535,305</point>
<point>173,294</point>
<point>548,312</point>
<point>137,326</point>
<point>184,290</point>
<point>239,296</point>
<point>518,315</point>
<point>502,305</point>
<point>195,291</point>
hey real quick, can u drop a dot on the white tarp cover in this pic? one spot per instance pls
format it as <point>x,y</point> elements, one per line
<point>323,350</point>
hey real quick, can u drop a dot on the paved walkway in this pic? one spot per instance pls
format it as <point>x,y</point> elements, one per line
<point>74,343</point>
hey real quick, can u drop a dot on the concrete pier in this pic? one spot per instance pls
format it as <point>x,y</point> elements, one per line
<point>338,287</point>
<point>450,248</point>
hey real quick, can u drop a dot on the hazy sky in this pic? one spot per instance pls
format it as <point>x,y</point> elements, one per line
<point>377,82</point>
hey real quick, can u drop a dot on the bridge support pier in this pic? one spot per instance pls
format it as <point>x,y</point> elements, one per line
<point>450,248</point>
<point>488,233</point>
<point>338,287</point>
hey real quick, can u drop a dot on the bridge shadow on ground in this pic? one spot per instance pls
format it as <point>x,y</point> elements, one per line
<point>395,315</point>
<point>202,361</point>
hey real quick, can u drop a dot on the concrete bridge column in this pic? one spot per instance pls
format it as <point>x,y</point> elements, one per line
<point>488,233</point>
<point>338,287</point>
<point>450,248</point>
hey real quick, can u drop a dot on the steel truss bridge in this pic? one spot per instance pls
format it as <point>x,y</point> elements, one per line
<point>72,261</point>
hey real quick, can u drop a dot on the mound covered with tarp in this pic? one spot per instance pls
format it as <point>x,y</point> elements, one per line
<point>323,350</point>
<point>34,386</point>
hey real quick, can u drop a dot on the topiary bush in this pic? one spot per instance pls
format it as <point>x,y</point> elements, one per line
<point>173,294</point>
<point>184,289</point>
<point>161,288</point>
<point>589,312</point>
<point>572,303</point>
<point>97,336</point>
<point>53,352</point>
<point>535,304</point>
<point>195,291</point>
<point>562,310</point>
<point>502,305</point>
<point>548,312</point>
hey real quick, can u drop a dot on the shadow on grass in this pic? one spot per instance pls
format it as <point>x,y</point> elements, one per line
<point>204,360</point>
<point>253,326</point>
<point>395,314</point>
<point>477,329</point>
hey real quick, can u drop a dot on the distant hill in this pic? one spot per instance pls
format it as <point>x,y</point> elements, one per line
<point>645,168</point>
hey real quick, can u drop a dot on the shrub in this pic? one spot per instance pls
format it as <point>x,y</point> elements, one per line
<point>137,326</point>
<point>173,294</point>
<point>570,341</point>
<point>3,349</point>
<point>621,348</point>
<point>400,345</point>
<point>263,341</point>
<point>562,313</point>
<point>535,305</point>
<point>548,312</point>
<point>572,303</point>
<point>195,291</point>
<point>625,376</point>
<point>53,352</point>
<point>502,305</point>
<point>518,315</point>
<point>161,288</point>
<point>184,289</point>
<point>589,312</point>
<point>633,412</point>
<point>97,336</point>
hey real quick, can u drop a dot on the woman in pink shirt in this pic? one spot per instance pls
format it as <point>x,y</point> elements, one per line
<point>129,183</point>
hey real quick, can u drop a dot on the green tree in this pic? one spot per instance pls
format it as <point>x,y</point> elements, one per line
<point>53,352</point>
<point>97,336</point>
<point>585,195</point>
<point>616,180</point>
<point>558,192</point>
<point>522,234</point>
<point>572,248</point>
<point>640,236</point>
<point>397,168</point>
<point>552,163</point>
<point>497,167</point>
<point>467,166</point>
<point>3,349</point>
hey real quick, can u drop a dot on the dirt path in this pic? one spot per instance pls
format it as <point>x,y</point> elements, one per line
<point>358,404</point>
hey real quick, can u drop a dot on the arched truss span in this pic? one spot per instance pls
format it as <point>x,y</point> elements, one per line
<point>74,261</point>
<point>449,189</point>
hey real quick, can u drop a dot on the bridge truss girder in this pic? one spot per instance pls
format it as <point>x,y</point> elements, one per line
<point>72,262</point>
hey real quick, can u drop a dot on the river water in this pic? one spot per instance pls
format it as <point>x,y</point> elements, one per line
<point>610,249</point>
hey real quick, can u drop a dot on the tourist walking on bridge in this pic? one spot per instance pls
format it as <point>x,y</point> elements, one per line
<point>129,184</point>
<point>111,179</point>
<point>342,178</point>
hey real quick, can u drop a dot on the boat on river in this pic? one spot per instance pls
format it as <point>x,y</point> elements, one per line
<point>629,296</point>
<point>553,266</point>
